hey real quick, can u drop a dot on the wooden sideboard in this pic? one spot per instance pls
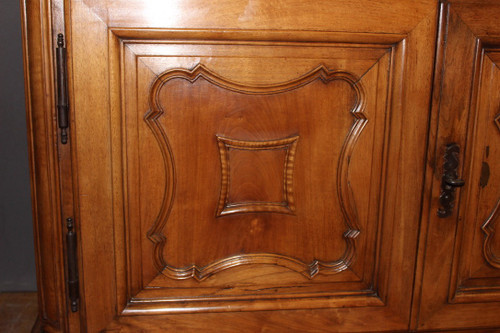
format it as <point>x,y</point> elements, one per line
<point>265,166</point>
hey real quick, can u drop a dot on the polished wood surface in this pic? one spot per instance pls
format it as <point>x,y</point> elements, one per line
<point>263,165</point>
<point>460,253</point>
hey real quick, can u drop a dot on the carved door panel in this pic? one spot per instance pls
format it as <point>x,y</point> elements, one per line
<point>236,161</point>
<point>462,252</point>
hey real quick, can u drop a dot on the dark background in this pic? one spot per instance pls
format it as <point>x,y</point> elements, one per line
<point>17,259</point>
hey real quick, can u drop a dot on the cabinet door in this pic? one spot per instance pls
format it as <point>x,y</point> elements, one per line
<point>461,274</point>
<point>243,163</point>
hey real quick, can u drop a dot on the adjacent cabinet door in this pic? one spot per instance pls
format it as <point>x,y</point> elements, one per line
<point>262,166</point>
<point>460,249</point>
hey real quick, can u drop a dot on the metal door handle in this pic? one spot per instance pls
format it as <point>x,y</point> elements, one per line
<point>450,180</point>
<point>453,182</point>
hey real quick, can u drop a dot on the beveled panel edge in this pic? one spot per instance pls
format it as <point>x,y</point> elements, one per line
<point>473,14</point>
<point>345,199</point>
<point>381,40</point>
<point>363,298</point>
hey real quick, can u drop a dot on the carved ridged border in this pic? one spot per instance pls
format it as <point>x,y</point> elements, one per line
<point>285,207</point>
<point>155,233</point>
<point>488,228</point>
<point>344,191</point>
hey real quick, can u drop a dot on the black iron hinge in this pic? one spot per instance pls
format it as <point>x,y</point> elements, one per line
<point>72,277</point>
<point>62,89</point>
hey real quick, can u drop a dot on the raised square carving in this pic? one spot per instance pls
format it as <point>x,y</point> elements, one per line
<point>257,176</point>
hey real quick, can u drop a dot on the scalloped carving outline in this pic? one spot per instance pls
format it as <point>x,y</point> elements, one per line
<point>488,228</point>
<point>344,191</point>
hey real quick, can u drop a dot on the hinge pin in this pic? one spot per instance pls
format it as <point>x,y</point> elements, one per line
<point>62,92</point>
<point>72,265</point>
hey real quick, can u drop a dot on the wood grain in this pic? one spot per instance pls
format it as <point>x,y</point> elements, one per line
<point>460,287</point>
<point>189,200</point>
<point>37,34</point>
<point>256,176</point>
<point>227,176</point>
<point>377,17</point>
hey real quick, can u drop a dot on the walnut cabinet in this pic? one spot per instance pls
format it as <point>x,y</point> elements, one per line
<point>265,166</point>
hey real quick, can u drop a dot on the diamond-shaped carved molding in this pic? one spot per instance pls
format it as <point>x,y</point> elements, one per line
<point>257,176</point>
